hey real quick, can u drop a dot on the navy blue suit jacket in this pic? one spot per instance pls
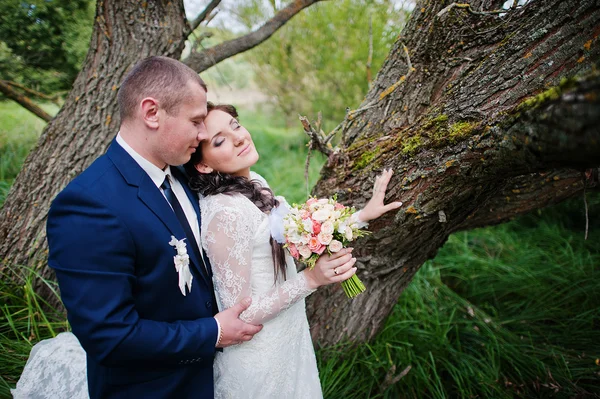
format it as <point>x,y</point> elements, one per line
<point>108,235</point>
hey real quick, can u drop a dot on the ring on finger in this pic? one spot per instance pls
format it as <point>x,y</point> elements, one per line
<point>335,271</point>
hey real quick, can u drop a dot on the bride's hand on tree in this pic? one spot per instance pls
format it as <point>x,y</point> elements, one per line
<point>375,207</point>
<point>329,269</point>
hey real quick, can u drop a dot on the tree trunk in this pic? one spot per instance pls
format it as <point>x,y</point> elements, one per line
<point>482,117</point>
<point>123,34</point>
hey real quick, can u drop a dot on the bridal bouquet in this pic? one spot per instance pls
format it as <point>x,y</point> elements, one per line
<point>321,225</point>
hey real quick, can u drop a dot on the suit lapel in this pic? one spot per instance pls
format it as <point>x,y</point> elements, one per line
<point>151,196</point>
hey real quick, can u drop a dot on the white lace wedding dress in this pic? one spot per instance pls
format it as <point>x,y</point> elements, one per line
<point>279,361</point>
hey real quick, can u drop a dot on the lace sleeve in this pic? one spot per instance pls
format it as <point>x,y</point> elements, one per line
<point>229,241</point>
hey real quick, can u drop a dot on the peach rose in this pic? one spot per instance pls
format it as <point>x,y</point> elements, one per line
<point>304,251</point>
<point>314,244</point>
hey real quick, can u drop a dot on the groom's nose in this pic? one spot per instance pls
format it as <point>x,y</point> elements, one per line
<point>202,132</point>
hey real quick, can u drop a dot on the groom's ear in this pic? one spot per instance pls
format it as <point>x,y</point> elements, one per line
<point>203,168</point>
<point>150,108</point>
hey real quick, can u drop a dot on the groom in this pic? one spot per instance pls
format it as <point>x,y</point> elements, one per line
<point>148,321</point>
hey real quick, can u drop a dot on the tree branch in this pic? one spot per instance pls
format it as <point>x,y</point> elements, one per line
<point>35,93</point>
<point>523,194</point>
<point>24,101</point>
<point>204,14</point>
<point>201,61</point>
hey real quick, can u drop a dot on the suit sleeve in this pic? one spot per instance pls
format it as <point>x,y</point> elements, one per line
<point>93,255</point>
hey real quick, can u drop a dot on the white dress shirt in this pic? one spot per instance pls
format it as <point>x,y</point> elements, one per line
<point>158,177</point>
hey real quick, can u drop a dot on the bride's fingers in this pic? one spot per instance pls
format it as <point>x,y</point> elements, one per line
<point>340,270</point>
<point>344,276</point>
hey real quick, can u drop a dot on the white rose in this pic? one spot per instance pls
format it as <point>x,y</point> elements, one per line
<point>348,233</point>
<point>335,246</point>
<point>323,201</point>
<point>324,238</point>
<point>307,224</point>
<point>327,227</point>
<point>342,228</point>
<point>329,207</point>
<point>321,215</point>
<point>305,238</point>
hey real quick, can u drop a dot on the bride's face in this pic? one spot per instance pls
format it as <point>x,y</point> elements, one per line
<point>229,147</point>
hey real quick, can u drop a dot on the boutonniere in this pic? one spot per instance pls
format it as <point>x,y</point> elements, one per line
<point>182,264</point>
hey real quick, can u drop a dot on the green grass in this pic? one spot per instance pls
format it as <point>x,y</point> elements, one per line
<point>25,319</point>
<point>501,312</point>
<point>19,131</point>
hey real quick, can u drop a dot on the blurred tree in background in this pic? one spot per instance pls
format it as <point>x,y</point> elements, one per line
<point>318,61</point>
<point>43,42</point>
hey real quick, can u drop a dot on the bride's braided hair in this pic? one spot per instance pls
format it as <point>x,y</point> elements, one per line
<point>223,183</point>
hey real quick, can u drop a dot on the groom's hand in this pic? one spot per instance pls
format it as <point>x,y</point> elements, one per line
<point>333,268</point>
<point>233,330</point>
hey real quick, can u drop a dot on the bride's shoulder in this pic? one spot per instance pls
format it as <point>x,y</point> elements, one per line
<point>230,203</point>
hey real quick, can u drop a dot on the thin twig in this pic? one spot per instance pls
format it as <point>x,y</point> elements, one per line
<point>306,166</point>
<point>317,141</point>
<point>467,7</point>
<point>370,57</point>
<point>204,14</point>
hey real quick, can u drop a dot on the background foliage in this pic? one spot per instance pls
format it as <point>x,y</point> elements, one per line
<point>44,42</point>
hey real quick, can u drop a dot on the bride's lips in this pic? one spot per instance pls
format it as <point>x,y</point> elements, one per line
<point>244,150</point>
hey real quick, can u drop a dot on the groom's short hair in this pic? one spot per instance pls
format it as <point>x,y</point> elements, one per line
<point>160,77</point>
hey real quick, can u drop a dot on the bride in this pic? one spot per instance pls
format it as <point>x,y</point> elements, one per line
<point>238,210</point>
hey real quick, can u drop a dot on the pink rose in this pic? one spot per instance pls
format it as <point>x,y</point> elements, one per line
<point>316,227</point>
<point>293,251</point>
<point>321,249</point>
<point>311,201</point>
<point>339,206</point>
<point>335,246</point>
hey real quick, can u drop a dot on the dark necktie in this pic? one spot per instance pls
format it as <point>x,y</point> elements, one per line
<point>191,239</point>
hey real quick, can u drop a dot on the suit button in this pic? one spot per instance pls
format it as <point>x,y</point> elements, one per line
<point>208,304</point>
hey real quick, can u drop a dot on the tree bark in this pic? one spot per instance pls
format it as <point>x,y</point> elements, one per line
<point>484,117</point>
<point>476,105</point>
